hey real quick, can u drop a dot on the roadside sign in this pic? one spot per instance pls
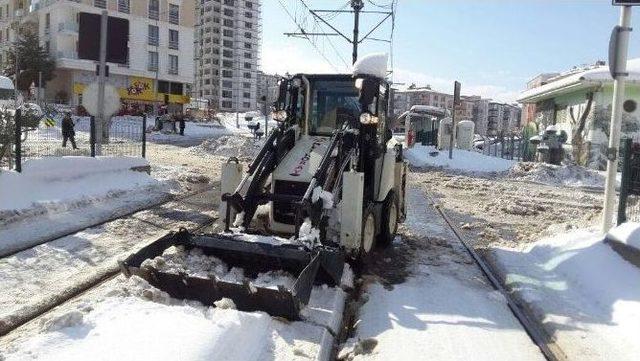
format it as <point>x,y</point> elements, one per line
<point>625,2</point>
<point>456,92</point>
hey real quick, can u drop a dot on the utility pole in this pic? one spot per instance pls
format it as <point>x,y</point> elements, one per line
<point>357,5</point>
<point>357,9</point>
<point>39,86</point>
<point>265,107</point>
<point>155,83</point>
<point>102,77</point>
<point>618,48</point>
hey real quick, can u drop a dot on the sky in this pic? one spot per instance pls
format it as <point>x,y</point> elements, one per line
<point>492,47</point>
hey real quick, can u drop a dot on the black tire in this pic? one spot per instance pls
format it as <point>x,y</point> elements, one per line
<point>389,226</point>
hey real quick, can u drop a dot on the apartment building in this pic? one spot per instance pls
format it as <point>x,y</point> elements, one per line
<point>266,86</point>
<point>503,118</point>
<point>473,107</point>
<point>529,109</point>
<point>227,53</point>
<point>10,12</point>
<point>148,40</point>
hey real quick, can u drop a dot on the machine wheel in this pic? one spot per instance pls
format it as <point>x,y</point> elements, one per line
<point>390,217</point>
<point>368,232</point>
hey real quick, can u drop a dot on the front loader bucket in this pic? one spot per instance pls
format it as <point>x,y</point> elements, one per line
<point>320,266</point>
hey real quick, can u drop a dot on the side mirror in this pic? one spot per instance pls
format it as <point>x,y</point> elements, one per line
<point>368,90</point>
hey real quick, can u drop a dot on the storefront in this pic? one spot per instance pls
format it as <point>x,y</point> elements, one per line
<point>137,94</point>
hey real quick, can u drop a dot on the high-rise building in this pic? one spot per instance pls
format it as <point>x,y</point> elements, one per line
<point>149,42</point>
<point>11,11</point>
<point>227,50</point>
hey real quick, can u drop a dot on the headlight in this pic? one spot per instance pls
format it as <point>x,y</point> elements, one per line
<point>279,115</point>
<point>367,118</point>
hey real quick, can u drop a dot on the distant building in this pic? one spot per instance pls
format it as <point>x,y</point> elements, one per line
<point>502,118</point>
<point>579,102</point>
<point>266,85</point>
<point>228,35</point>
<point>474,107</point>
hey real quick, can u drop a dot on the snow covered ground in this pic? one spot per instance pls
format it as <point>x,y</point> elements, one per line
<point>585,294</point>
<point>463,160</point>
<point>441,309</point>
<point>44,274</point>
<point>566,175</point>
<point>54,196</point>
<point>129,319</point>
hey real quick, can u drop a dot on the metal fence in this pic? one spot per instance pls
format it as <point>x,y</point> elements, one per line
<point>629,201</point>
<point>511,147</point>
<point>124,136</point>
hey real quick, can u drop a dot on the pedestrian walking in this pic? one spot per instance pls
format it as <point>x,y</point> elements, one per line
<point>68,132</point>
<point>181,122</point>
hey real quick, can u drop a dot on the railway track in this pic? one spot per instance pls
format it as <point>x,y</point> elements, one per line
<point>11,323</point>
<point>102,222</point>
<point>538,335</point>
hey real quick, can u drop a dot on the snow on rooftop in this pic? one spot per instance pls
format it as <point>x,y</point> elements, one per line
<point>372,64</point>
<point>586,77</point>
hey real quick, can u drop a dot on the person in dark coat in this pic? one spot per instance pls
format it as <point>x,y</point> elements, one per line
<point>68,133</point>
<point>181,122</point>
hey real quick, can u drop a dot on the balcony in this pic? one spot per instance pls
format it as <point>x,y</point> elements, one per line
<point>68,28</point>
<point>154,14</point>
<point>152,67</point>
<point>100,3</point>
<point>123,6</point>
<point>67,55</point>
<point>174,44</point>
<point>174,19</point>
<point>173,71</point>
<point>153,40</point>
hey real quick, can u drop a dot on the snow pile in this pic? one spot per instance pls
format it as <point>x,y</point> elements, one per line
<point>195,263</point>
<point>326,196</point>
<point>626,233</point>
<point>65,179</point>
<point>463,160</point>
<point>242,147</point>
<point>567,175</point>
<point>130,319</point>
<point>372,64</point>
<point>308,234</point>
<point>586,294</point>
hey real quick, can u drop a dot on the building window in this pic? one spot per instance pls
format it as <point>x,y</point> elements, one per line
<point>174,14</point>
<point>247,55</point>
<point>246,85</point>
<point>227,64</point>
<point>152,64</point>
<point>173,64</point>
<point>247,35</point>
<point>247,45</point>
<point>226,32</point>
<point>227,74</point>
<point>229,2</point>
<point>227,94</point>
<point>248,4</point>
<point>154,9</point>
<point>247,75</point>
<point>246,95</point>
<point>227,43</point>
<point>123,6</point>
<point>228,12</point>
<point>248,14</point>
<point>154,35</point>
<point>227,22</point>
<point>174,39</point>
<point>248,25</point>
<point>226,84</point>
<point>247,65</point>
<point>246,104</point>
<point>227,53</point>
<point>100,3</point>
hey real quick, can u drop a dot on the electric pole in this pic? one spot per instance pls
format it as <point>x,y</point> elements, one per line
<point>357,9</point>
<point>357,6</point>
